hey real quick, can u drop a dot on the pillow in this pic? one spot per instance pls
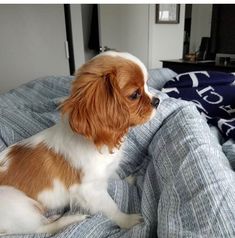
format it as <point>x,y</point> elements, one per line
<point>158,77</point>
<point>200,79</point>
<point>212,92</point>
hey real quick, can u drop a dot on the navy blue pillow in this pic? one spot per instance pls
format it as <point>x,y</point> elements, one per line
<point>212,92</point>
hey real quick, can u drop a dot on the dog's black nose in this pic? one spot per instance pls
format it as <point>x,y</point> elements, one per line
<point>155,102</point>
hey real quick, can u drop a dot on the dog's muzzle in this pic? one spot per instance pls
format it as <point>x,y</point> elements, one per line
<point>155,102</point>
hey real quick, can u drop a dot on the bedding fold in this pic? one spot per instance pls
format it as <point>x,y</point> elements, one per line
<point>185,184</point>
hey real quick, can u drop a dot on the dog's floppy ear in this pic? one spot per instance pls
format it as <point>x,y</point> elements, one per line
<point>96,109</point>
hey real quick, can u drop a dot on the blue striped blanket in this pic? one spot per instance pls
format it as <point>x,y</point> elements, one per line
<point>185,185</point>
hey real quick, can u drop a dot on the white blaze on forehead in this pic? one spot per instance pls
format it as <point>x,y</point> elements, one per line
<point>133,59</point>
<point>147,91</point>
<point>128,57</point>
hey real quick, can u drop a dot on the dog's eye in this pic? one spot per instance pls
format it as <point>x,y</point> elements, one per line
<point>135,95</point>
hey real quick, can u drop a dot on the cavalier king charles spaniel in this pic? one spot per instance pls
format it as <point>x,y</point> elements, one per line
<point>72,161</point>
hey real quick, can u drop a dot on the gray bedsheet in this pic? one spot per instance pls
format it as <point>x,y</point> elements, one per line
<point>185,185</point>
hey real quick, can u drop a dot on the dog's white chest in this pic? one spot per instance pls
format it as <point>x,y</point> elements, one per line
<point>95,166</point>
<point>101,167</point>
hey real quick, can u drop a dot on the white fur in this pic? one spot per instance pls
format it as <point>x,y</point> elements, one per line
<point>135,60</point>
<point>57,197</point>
<point>91,193</point>
<point>17,211</point>
<point>128,57</point>
<point>13,204</point>
<point>80,152</point>
<point>19,214</point>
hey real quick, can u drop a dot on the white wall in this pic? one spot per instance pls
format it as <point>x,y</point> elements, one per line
<point>32,39</point>
<point>132,28</point>
<point>165,40</point>
<point>200,25</point>
<point>31,43</point>
<point>124,27</point>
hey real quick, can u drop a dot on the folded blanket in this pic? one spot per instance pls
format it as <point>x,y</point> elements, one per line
<point>185,186</point>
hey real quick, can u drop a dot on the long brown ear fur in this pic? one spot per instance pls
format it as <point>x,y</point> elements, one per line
<point>96,109</point>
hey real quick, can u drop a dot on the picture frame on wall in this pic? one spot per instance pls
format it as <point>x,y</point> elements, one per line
<point>167,13</point>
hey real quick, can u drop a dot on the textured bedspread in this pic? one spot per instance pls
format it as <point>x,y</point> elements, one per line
<point>185,185</point>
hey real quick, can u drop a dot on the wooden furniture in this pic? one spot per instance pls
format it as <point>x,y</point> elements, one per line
<point>183,66</point>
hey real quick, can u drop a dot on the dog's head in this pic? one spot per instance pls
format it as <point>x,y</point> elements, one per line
<point>109,95</point>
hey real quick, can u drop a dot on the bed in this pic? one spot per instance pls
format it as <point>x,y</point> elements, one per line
<point>185,180</point>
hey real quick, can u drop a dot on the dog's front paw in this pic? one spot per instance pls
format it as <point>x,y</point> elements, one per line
<point>127,221</point>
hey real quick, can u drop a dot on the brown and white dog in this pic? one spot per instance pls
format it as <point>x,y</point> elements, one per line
<point>72,161</point>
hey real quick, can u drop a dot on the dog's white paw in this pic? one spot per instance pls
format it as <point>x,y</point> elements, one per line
<point>127,221</point>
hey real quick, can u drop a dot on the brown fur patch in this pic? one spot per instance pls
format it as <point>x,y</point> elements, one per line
<point>99,106</point>
<point>33,169</point>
